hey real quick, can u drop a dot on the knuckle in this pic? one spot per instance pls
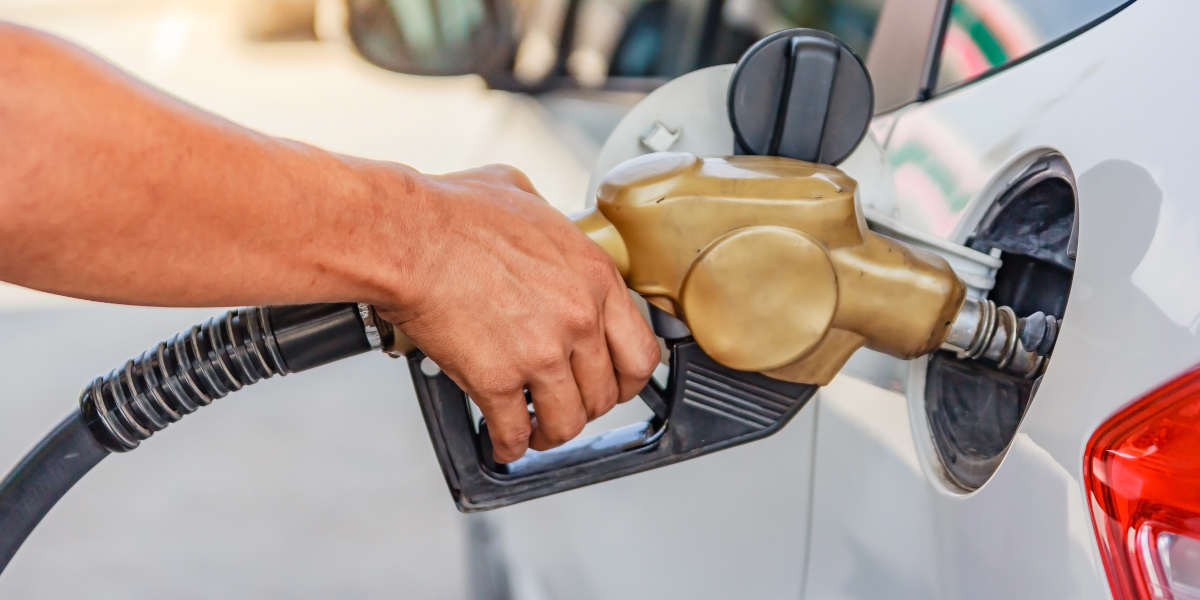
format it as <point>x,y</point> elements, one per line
<point>514,176</point>
<point>498,168</point>
<point>581,316</point>
<point>560,431</point>
<point>513,438</point>
<point>480,174</point>
<point>490,388</point>
<point>544,358</point>
<point>646,359</point>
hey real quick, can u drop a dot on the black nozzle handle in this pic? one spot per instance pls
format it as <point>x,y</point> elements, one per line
<point>703,408</point>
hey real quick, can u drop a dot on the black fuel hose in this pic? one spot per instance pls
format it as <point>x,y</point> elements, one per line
<point>120,410</point>
<point>42,477</point>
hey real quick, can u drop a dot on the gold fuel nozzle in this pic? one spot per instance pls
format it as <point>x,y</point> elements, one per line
<point>769,262</point>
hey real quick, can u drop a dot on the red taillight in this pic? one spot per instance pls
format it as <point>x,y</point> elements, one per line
<point>1142,472</point>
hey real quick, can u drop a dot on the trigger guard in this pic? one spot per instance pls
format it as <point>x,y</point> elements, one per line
<point>707,407</point>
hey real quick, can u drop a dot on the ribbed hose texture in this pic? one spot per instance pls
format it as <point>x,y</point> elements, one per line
<point>179,375</point>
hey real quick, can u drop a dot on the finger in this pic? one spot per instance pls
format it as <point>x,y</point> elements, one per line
<point>632,346</point>
<point>593,370</point>
<point>560,412</point>
<point>509,426</point>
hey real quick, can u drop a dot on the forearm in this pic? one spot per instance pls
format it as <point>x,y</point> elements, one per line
<point>112,191</point>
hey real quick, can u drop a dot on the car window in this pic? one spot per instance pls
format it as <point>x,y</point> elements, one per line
<point>984,35</point>
<point>666,38</point>
<point>853,21</point>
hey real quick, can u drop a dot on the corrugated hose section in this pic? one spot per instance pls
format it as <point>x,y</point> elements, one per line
<point>179,375</point>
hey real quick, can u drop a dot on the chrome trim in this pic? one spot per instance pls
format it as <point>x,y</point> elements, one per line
<point>367,314</point>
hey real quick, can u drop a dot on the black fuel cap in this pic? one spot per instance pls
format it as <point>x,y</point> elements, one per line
<point>800,93</point>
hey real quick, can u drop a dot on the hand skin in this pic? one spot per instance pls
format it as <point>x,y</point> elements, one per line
<point>112,191</point>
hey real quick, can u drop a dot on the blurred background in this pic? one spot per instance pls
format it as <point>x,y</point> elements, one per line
<point>325,484</point>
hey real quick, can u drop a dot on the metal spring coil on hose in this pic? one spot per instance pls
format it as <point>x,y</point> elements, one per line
<point>179,375</point>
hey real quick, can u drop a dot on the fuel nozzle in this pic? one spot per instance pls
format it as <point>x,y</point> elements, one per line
<point>770,265</point>
<point>984,331</point>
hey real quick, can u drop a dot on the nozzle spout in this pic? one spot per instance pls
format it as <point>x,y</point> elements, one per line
<point>984,331</point>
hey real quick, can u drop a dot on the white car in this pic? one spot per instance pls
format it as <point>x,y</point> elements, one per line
<point>1058,137</point>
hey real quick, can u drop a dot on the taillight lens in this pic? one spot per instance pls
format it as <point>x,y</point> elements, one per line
<point>1142,472</point>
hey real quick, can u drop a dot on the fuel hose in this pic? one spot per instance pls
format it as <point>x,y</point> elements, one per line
<point>176,377</point>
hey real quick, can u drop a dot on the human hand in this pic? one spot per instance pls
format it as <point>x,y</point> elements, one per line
<point>505,295</point>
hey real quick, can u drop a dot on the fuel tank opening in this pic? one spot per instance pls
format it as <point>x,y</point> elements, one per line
<point>974,408</point>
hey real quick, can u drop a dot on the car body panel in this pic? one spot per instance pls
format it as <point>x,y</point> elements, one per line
<point>884,522</point>
<point>1124,119</point>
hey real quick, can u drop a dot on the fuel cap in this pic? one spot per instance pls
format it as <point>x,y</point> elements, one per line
<point>800,93</point>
